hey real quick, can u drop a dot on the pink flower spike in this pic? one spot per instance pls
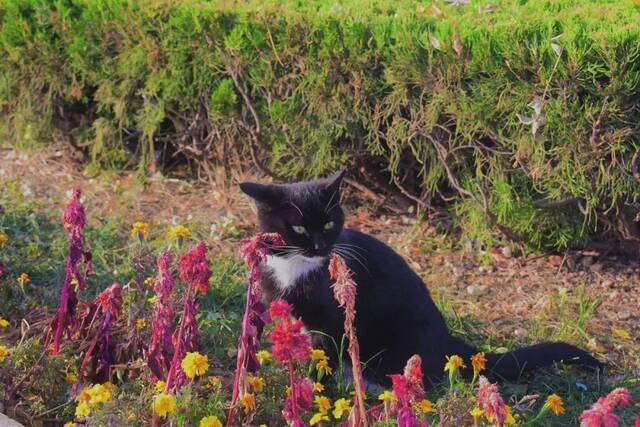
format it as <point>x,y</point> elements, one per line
<point>280,308</point>
<point>619,397</point>
<point>637,424</point>
<point>161,348</point>
<point>344,291</point>
<point>194,268</point>
<point>490,401</point>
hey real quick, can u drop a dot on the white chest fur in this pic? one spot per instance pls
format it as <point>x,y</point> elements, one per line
<point>286,271</point>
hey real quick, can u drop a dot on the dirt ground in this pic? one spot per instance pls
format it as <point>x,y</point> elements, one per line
<point>506,298</point>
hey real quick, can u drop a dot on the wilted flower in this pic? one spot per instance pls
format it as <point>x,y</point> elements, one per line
<point>195,364</point>
<point>344,291</point>
<point>253,251</point>
<point>160,348</point>
<point>490,401</point>
<point>210,421</point>
<point>323,367</point>
<point>74,221</point>
<point>164,404</point>
<point>71,378</point>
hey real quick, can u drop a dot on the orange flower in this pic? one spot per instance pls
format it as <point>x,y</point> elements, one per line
<point>479,362</point>
<point>554,402</point>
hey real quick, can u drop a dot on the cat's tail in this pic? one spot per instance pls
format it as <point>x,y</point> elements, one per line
<point>509,366</point>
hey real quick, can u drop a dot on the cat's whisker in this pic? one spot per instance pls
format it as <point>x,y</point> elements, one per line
<point>289,202</point>
<point>327,208</point>
<point>350,256</point>
<point>352,250</point>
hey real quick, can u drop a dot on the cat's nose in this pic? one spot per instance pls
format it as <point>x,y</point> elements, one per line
<point>319,244</point>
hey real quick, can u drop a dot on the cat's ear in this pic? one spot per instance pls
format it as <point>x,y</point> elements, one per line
<point>262,193</point>
<point>333,182</point>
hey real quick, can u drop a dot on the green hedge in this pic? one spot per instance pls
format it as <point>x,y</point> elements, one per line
<point>426,103</point>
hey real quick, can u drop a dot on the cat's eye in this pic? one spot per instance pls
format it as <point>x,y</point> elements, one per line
<point>299,229</point>
<point>329,225</point>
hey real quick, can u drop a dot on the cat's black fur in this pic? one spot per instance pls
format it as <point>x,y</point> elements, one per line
<point>396,317</point>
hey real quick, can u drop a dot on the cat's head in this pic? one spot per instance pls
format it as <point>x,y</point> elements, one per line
<point>306,214</point>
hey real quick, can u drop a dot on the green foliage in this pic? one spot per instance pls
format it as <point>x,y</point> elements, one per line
<point>402,89</point>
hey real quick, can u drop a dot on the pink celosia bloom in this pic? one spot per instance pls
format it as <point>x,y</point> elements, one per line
<point>194,268</point>
<point>303,398</point>
<point>344,291</point>
<point>105,309</point>
<point>280,309</point>
<point>619,397</point>
<point>2,269</point>
<point>161,348</point>
<point>408,388</point>
<point>74,219</point>
<point>490,401</point>
<point>637,422</point>
<point>290,340</point>
<point>253,251</point>
<point>600,414</point>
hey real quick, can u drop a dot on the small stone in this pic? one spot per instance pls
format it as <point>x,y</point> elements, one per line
<point>520,333</point>
<point>506,251</point>
<point>476,290</point>
<point>596,267</point>
<point>624,315</point>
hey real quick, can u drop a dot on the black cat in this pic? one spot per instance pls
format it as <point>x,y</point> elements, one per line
<point>396,317</point>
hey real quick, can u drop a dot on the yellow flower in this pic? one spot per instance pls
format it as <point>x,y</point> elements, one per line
<point>178,231</point>
<point>476,412</point>
<point>323,403</point>
<point>387,396</point>
<point>263,356</point>
<point>509,420</point>
<point>195,364</point>
<point>323,367</point>
<point>342,406</point>
<point>141,323</point>
<point>318,354</point>
<point>84,395</point>
<point>248,402</point>
<point>98,393</point>
<point>23,278</point>
<point>70,424</point>
<point>71,378</point>
<point>317,418</point>
<point>159,387</point>
<point>153,299</point>
<point>479,362</point>
<point>4,352</point>
<point>3,239</point>
<point>164,404</point>
<point>149,281</point>
<point>139,229</point>
<point>214,381</point>
<point>454,363</point>
<point>83,410</point>
<point>4,323</point>
<point>257,383</point>
<point>210,421</point>
<point>111,387</point>
<point>318,387</point>
<point>554,402</point>
<point>425,406</point>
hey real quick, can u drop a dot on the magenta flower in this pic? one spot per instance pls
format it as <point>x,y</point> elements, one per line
<point>280,309</point>
<point>290,341</point>
<point>600,414</point>
<point>490,401</point>
<point>74,221</point>
<point>303,399</point>
<point>253,251</point>
<point>161,347</point>
<point>104,310</point>
<point>194,268</point>
<point>408,388</point>
<point>637,424</point>
<point>344,291</point>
